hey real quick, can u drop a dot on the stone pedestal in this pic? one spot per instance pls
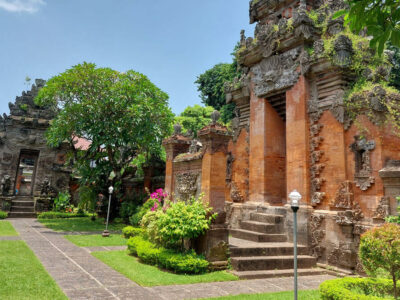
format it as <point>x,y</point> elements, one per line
<point>390,175</point>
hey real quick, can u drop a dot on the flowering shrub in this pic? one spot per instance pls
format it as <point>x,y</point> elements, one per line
<point>176,222</point>
<point>155,202</point>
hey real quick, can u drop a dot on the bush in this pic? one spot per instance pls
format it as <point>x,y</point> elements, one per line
<point>189,263</point>
<point>130,206</point>
<point>60,215</point>
<point>380,249</point>
<point>183,221</point>
<point>3,214</point>
<point>61,202</point>
<point>155,201</point>
<point>130,231</point>
<point>355,289</point>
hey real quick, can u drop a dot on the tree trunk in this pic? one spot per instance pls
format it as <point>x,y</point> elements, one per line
<point>394,286</point>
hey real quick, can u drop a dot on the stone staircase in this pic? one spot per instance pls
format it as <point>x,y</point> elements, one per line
<point>259,250</point>
<point>22,207</point>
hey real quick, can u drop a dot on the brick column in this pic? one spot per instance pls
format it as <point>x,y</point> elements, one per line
<point>214,139</point>
<point>297,140</point>
<point>174,146</point>
<point>258,140</point>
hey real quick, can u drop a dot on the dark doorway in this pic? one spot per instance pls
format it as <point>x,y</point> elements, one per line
<point>26,172</point>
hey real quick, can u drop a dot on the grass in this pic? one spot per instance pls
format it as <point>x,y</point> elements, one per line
<point>96,240</point>
<point>22,276</point>
<point>80,224</point>
<point>6,229</point>
<point>303,295</point>
<point>147,275</point>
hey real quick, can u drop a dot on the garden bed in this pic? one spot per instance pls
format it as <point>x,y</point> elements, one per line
<point>147,275</point>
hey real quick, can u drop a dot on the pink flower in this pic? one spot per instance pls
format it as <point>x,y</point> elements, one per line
<point>153,209</point>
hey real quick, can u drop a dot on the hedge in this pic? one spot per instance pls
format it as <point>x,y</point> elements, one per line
<point>3,214</point>
<point>60,215</point>
<point>188,263</point>
<point>130,231</point>
<point>356,289</point>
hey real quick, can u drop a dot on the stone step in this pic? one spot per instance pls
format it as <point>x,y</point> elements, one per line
<point>260,227</point>
<point>277,273</point>
<point>15,203</point>
<point>274,249</point>
<point>22,209</point>
<point>266,218</point>
<point>258,263</point>
<point>21,215</point>
<point>256,236</point>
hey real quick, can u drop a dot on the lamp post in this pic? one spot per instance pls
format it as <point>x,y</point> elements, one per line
<point>295,198</point>
<point>106,233</point>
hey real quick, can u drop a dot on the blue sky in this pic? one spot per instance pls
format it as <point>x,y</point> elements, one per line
<point>170,41</point>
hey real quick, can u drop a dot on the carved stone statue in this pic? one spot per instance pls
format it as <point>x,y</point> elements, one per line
<point>5,185</point>
<point>215,117</point>
<point>177,129</point>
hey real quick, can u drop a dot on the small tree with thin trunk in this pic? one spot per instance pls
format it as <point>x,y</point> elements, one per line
<point>380,249</point>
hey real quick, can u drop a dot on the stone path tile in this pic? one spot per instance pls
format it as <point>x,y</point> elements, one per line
<point>10,238</point>
<point>76,271</point>
<point>82,276</point>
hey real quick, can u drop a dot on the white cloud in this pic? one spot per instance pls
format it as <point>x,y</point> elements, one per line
<point>29,6</point>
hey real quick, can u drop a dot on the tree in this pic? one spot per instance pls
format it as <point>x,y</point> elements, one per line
<point>194,118</point>
<point>381,18</point>
<point>380,248</point>
<point>211,86</point>
<point>122,115</point>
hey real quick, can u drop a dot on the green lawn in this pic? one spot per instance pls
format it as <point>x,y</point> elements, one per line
<point>303,295</point>
<point>6,229</point>
<point>96,240</point>
<point>147,275</point>
<point>22,276</point>
<point>80,224</point>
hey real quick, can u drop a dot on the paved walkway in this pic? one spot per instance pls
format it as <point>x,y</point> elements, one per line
<point>82,276</point>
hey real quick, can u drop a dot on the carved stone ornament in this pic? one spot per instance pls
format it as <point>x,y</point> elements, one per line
<point>344,50</point>
<point>194,146</point>
<point>229,163</point>
<point>5,185</point>
<point>344,196</point>
<point>317,234</point>
<point>235,194</point>
<point>343,255</point>
<point>177,129</point>
<point>382,210</point>
<point>215,115</point>
<point>349,217</point>
<point>363,170</point>
<point>276,73</point>
<point>186,184</point>
<point>317,198</point>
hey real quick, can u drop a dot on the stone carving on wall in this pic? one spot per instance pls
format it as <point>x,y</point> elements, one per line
<point>316,167</point>
<point>344,255</point>
<point>194,146</point>
<point>186,184</point>
<point>5,185</point>
<point>363,170</point>
<point>383,209</point>
<point>317,234</point>
<point>235,194</point>
<point>344,196</point>
<point>349,216</point>
<point>276,72</point>
<point>343,50</point>
<point>229,164</point>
